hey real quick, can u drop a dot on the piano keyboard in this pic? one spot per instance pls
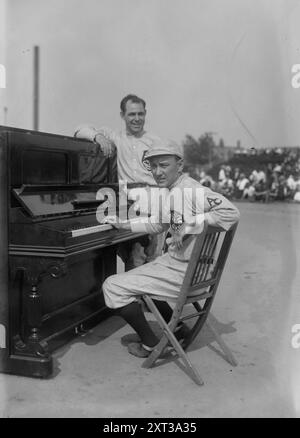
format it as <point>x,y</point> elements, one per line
<point>91,230</point>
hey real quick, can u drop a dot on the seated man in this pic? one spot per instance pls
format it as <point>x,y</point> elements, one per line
<point>249,191</point>
<point>163,277</point>
<point>227,187</point>
<point>261,193</point>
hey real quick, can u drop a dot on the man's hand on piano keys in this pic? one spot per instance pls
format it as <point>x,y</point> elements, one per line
<point>116,222</point>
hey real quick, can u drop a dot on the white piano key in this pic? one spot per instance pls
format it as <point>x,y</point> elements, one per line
<point>91,230</point>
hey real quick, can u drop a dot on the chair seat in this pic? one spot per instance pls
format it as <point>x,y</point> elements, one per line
<point>193,296</point>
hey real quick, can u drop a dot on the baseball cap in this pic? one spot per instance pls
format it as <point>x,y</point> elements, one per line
<point>164,147</point>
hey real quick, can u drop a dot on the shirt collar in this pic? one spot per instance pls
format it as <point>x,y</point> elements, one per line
<point>177,182</point>
<point>128,134</point>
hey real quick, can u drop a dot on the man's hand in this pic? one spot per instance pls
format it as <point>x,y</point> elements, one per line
<point>112,220</point>
<point>116,223</point>
<point>177,239</point>
<point>106,145</point>
<point>183,233</point>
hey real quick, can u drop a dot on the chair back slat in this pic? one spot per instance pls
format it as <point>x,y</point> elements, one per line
<point>207,261</point>
<point>199,267</point>
<point>210,263</point>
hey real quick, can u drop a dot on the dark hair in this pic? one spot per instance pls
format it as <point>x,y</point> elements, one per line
<point>134,99</point>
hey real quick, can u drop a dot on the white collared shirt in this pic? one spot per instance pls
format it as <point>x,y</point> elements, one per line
<point>130,152</point>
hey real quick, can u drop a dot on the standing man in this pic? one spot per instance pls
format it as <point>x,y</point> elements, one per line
<point>165,274</point>
<point>131,146</point>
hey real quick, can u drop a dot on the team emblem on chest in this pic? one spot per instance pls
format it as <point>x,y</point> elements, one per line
<point>176,220</point>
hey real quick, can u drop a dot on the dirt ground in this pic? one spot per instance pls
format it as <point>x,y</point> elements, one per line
<point>256,309</point>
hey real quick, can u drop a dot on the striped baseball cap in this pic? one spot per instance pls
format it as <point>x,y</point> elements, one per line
<point>164,147</point>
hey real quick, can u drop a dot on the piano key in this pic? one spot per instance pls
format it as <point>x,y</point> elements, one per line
<point>91,230</point>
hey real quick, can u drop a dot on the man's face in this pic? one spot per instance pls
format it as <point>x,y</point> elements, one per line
<point>134,117</point>
<point>165,169</point>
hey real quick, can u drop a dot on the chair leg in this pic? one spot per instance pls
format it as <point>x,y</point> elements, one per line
<point>196,328</point>
<point>229,356</point>
<point>163,342</point>
<point>181,353</point>
<point>157,351</point>
<point>193,372</point>
<point>168,335</point>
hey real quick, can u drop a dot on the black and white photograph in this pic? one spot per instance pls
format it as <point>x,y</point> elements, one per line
<point>150,211</point>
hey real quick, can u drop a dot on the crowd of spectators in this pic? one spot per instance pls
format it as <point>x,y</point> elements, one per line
<point>279,181</point>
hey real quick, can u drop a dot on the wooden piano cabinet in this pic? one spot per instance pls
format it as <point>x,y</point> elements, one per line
<point>51,302</point>
<point>53,255</point>
<point>4,322</point>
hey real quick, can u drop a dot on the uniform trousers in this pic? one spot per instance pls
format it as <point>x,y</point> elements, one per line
<point>161,278</point>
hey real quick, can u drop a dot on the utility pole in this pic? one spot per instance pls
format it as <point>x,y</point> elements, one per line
<point>210,133</point>
<point>5,109</point>
<point>36,88</point>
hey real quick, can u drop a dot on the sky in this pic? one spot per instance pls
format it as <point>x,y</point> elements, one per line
<point>220,66</point>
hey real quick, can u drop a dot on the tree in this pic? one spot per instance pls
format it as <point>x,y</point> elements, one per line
<point>221,143</point>
<point>191,150</point>
<point>199,151</point>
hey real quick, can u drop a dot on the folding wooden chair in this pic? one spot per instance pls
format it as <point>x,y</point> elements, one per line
<point>199,288</point>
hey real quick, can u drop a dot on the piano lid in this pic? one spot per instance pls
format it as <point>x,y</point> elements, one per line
<point>41,201</point>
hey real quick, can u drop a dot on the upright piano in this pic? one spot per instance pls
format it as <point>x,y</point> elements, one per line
<point>54,254</point>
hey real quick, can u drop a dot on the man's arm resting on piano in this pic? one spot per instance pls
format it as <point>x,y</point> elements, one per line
<point>87,132</point>
<point>137,225</point>
<point>117,223</point>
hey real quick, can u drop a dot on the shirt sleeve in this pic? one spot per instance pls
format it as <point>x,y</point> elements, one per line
<point>110,134</point>
<point>204,204</point>
<point>89,132</point>
<point>86,132</point>
<point>219,211</point>
<point>149,225</point>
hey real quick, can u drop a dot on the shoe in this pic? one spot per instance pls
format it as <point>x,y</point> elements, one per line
<point>130,338</point>
<point>137,349</point>
<point>182,332</point>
